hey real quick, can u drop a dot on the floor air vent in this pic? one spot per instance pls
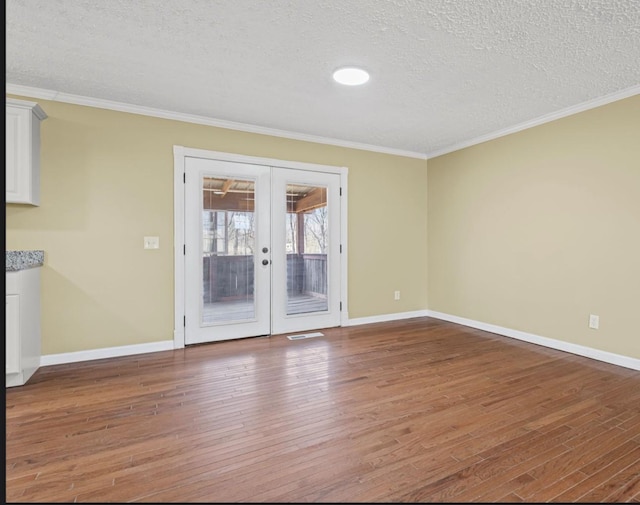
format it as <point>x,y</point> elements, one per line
<point>305,335</point>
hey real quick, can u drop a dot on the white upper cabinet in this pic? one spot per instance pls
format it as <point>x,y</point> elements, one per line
<point>23,151</point>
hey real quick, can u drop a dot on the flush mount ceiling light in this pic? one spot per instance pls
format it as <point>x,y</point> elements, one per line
<point>351,76</point>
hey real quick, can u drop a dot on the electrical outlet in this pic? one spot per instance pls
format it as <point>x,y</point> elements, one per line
<point>396,295</point>
<point>594,321</point>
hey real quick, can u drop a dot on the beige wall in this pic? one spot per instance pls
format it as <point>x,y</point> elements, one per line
<point>536,230</point>
<point>107,181</point>
<point>533,231</point>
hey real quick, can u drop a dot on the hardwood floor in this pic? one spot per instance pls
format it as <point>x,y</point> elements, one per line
<point>419,410</point>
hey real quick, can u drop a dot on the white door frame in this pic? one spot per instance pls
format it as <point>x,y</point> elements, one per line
<point>179,155</point>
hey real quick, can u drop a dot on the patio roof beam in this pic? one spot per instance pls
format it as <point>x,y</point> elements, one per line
<point>239,202</point>
<point>225,187</point>
<point>314,199</point>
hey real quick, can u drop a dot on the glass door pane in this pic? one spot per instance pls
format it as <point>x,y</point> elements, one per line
<point>307,233</point>
<point>306,250</point>
<point>262,250</point>
<point>228,248</point>
<point>227,273</point>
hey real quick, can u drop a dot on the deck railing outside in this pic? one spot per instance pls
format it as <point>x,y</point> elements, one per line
<point>231,277</point>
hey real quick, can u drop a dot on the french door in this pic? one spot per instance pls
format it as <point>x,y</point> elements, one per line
<point>262,250</point>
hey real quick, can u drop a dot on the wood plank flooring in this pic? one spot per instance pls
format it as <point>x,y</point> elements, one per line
<point>419,410</point>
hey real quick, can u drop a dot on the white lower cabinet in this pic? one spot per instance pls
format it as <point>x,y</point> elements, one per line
<point>13,334</point>
<point>22,337</point>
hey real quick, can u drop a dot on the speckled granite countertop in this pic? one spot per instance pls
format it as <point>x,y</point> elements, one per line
<point>20,260</point>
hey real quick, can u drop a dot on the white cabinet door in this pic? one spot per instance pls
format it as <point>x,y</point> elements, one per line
<point>12,336</point>
<point>22,331</point>
<point>22,168</point>
<point>13,151</point>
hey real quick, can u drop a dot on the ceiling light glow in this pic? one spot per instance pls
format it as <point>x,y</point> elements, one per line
<point>351,76</point>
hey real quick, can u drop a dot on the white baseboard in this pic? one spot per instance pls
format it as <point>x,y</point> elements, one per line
<point>178,343</point>
<point>580,350</point>
<point>109,352</point>
<point>386,317</point>
<point>168,345</point>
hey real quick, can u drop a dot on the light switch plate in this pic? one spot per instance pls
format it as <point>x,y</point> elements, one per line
<point>152,242</point>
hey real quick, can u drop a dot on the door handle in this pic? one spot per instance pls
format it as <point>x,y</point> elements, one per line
<point>265,250</point>
<point>265,262</point>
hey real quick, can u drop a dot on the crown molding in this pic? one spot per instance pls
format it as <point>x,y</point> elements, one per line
<point>569,111</point>
<point>56,96</point>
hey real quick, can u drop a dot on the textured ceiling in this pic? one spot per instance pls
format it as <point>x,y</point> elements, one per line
<point>443,72</point>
